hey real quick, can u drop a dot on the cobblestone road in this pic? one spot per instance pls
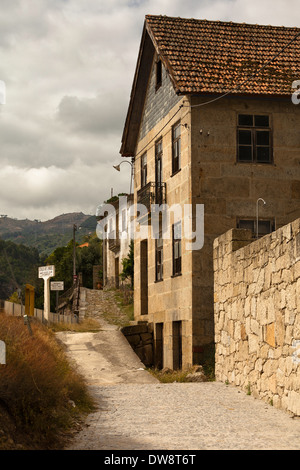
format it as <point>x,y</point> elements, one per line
<point>136,412</point>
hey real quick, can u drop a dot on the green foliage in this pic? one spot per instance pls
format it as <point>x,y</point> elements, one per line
<point>86,257</point>
<point>18,266</point>
<point>46,236</point>
<point>62,259</point>
<point>128,265</point>
<point>15,298</point>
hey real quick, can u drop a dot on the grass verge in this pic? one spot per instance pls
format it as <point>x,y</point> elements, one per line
<point>123,315</point>
<point>86,325</point>
<point>42,398</point>
<point>170,376</point>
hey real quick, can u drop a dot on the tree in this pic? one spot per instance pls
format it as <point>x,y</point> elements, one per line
<point>128,265</point>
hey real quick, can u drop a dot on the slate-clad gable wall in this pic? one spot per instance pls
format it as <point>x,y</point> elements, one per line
<point>158,103</point>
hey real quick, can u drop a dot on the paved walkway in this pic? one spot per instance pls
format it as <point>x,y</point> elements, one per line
<point>136,412</point>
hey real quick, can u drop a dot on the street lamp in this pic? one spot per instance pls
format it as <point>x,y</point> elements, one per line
<point>257,202</point>
<point>117,167</point>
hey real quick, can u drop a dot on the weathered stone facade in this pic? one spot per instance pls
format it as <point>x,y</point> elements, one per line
<point>116,246</point>
<point>257,313</point>
<point>230,189</point>
<point>210,174</point>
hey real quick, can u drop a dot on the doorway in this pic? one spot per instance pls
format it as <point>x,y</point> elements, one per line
<point>144,277</point>
<point>117,277</point>
<point>177,345</point>
<point>159,345</point>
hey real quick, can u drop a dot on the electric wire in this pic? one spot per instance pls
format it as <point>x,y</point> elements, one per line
<point>233,90</point>
<point>221,96</point>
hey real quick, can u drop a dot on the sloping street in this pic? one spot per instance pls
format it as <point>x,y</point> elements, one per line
<point>136,412</point>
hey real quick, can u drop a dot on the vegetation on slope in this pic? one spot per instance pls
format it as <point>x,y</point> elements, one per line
<point>18,266</point>
<point>48,235</point>
<point>41,395</point>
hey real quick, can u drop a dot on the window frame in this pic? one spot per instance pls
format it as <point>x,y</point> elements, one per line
<point>253,129</point>
<point>271,220</point>
<point>159,258</point>
<point>176,243</point>
<point>176,148</point>
<point>144,170</point>
<point>124,220</point>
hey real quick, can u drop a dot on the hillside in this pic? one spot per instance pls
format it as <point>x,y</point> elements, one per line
<point>18,265</point>
<point>48,235</point>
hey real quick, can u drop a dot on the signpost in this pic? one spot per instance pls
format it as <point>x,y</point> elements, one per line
<point>45,272</point>
<point>57,286</point>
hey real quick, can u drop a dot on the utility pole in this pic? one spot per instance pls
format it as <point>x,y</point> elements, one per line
<point>74,254</point>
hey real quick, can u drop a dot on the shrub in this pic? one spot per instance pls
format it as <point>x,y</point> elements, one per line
<point>38,386</point>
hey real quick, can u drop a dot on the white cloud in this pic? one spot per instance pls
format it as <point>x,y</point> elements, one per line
<point>68,68</point>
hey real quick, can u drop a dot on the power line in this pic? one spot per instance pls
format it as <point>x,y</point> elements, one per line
<point>181,106</point>
<point>223,95</point>
<point>248,78</point>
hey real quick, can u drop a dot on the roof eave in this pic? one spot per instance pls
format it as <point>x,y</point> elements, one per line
<point>137,96</point>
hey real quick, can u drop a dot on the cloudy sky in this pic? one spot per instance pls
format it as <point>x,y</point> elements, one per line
<point>68,67</point>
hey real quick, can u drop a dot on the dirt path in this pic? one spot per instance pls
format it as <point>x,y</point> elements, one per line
<point>136,412</point>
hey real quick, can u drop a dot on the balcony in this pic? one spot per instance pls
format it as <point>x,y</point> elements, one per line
<point>152,193</point>
<point>113,242</point>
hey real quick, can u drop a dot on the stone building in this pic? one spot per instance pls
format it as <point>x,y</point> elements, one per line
<point>116,244</point>
<point>210,122</point>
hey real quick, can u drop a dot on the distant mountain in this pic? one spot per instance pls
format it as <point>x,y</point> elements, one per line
<point>48,235</point>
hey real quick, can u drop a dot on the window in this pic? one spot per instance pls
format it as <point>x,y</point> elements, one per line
<point>158,74</point>
<point>124,220</point>
<point>158,172</point>
<point>176,236</point>
<point>176,147</point>
<point>144,170</point>
<point>264,226</point>
<point>254,139</point>
<point>159,253</point>
<point>159,259</point>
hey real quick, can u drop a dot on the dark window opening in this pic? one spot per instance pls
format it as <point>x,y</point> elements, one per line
<point>158,172</point>
<point>143,170</point>
<point>176,235</point>
<point>158,74</point>
<point>264,226</point>
<point>176,147</point>
<point>159,259</point>
<point>254,139</point>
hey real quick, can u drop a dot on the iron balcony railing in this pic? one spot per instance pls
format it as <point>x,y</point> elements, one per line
<point>113,241</point>
<point>152,193</point>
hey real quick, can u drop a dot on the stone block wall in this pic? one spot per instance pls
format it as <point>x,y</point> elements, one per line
<point>140,338</point>
<point>257,314</point>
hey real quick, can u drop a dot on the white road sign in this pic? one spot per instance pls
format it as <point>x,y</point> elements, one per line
<point>57,285</point>
<point>46,271</point>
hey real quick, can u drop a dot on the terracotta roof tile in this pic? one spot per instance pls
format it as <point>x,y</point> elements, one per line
<point>214,57</point>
